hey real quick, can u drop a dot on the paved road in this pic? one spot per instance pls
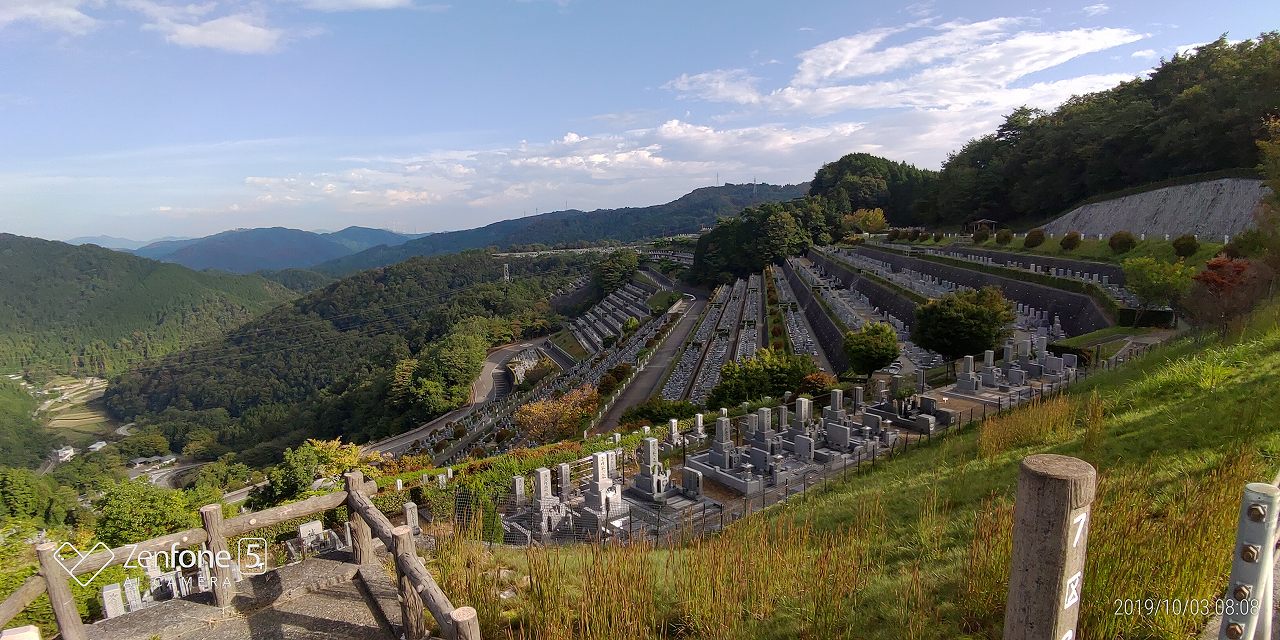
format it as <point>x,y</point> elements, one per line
<point>483,390</point>
<point>647,382</point>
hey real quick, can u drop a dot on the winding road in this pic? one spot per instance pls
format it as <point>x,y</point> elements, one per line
<point>485,389</point>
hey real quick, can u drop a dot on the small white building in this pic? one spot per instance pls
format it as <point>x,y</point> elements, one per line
<point>97,446</point>
<point>65,454</point>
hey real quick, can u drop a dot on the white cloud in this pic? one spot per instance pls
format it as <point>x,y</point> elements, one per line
<point>1144,54</point>
<point>720,85</point>
<point>55,15</point>
<point>1096,9</point>
<point>240,33</point>
<point>960,65</point>
<point>355,5</point>
<point>190,25</point>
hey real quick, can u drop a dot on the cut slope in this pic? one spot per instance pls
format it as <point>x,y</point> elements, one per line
<point>1210,209</point>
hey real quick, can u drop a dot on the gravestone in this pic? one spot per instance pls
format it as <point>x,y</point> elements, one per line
<point>804,448</point>
<point>804,411</point>
<point>411,512</point>
<point>542,485</point>
<point>517,490</point>
<point>132,595</point>
<point>112,601</point>
<point>442,480</point>
<point>310,534</point>
<point>399,484</point>
<point>566,480</point>
<point>691,483</point>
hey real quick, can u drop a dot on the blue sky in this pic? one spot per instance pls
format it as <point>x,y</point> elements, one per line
<point>148,118</point>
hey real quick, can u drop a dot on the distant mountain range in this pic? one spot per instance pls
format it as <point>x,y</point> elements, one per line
<point>690,213</point>
<point>279,253</point>
<point>112,242</point>
<point>274,248</point>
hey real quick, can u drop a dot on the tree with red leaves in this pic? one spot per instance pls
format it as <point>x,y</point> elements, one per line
<point>1226,288</point>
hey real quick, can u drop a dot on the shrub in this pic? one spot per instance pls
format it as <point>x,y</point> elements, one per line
<point>1004,236</point>
<point>937,236</point>
<point>893,235</point>
<point>1185,246</point>
<point>1035,238</point>
<point>1070,241</point>
<point>981,235</point>
<point>1122,242</point>
<point>914,235</point>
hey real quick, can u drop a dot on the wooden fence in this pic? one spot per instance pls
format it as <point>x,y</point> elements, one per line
<point>417,589</point>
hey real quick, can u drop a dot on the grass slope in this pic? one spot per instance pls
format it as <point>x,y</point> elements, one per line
<point>1090,249</point>
<point>919,547</point>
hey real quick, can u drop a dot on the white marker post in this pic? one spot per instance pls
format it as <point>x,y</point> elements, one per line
<point>1050,531</point>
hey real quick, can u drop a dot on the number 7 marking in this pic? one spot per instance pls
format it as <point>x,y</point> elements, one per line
<point>1079,521</point>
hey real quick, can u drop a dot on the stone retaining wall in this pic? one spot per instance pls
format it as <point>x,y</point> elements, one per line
<point>825,330</point>
<point>1080,314</point>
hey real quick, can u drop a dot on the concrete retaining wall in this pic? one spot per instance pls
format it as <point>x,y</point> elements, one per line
<point>881,296</point>
<point>1080,313</point>
<point>825,330</point>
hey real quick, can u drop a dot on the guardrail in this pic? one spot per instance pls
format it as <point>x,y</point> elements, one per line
<point>416,586</point>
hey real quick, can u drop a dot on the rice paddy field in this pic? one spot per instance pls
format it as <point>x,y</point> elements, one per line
<point>919,547</point>
<point>73,409</point>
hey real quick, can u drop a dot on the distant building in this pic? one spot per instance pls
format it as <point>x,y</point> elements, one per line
<point>65,454</point>
<point>97,446</point>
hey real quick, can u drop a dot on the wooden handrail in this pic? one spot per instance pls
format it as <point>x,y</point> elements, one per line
<point>455,623</point>
<point>31,589</point>
<point>245,523</point>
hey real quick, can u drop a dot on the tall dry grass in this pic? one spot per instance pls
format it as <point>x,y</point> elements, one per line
<point>1042,421</point>
<point>1145,542</point>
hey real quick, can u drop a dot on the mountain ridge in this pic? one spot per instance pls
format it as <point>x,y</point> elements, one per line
<point>689,213</point>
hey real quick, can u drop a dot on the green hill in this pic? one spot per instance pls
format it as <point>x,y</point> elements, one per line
<point>365,357</point>
<point>22,442</point>
<point>691,212</point>
<point>89,310</point>
<point>918,546</point>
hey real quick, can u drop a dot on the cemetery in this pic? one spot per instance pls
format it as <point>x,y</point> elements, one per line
<point>1078,313</point>
<point>797,329</point>
<point>606,318</point>
<point>603,504</point>
<point>853,309</point>
<point>727,330</point>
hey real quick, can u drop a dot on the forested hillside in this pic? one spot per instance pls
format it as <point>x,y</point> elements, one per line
<point>1197,113</point>
<point>363,358</point>
<point>688,214</point>
<point>89,310</point>
<point>863,181</point>
<point>22,442</point>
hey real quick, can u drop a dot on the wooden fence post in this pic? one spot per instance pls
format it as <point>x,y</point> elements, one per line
<point>1050,530</point>
<point>64,604</point>
<point>361,536</point>
<point>466,622</point>
<point>224,581</point>
<point>412,617</point>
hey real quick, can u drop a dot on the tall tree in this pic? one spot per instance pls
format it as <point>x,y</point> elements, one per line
<point>873,347</point>
<point>963,323</point>
<point>1156,283</point>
